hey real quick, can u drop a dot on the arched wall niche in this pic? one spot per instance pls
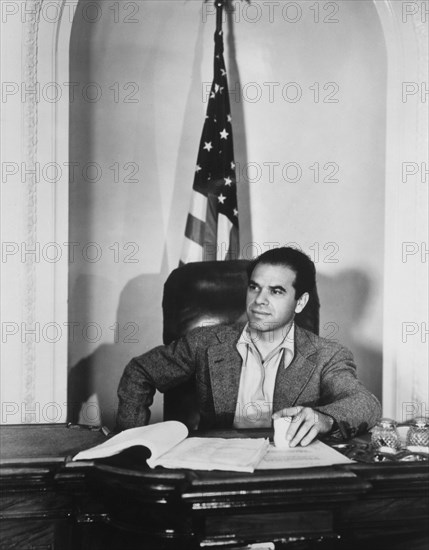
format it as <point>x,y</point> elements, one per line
<point>35,364</point>
<point>35,209</point>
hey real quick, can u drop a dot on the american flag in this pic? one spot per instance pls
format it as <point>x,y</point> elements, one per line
<point>211,231</point>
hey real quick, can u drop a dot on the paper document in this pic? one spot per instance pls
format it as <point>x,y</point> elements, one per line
<point>169,447</point>
<point>315,454</point>
<point>159,438</point>
<point>214,453</point>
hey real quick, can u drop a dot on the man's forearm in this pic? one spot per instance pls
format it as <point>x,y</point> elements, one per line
<point>353,414</point>
<point>135,393</point>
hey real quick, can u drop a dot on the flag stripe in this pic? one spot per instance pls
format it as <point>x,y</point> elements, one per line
<point>198,205</point>
<point>223,236</point>
<point>210,231</point>
<point>195,229</point>
<point>233,251</point>
<point>192,252</point>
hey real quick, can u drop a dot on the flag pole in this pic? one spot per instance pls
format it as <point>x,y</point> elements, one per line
<point>219,12</point>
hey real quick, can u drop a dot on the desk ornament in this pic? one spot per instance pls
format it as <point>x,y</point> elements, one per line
<point>418,435</point>
<point>384,436</point>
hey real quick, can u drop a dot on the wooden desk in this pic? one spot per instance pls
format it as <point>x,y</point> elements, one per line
<point>48,502</point>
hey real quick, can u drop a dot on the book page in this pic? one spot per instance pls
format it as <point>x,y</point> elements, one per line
<point>158,438</point>
<point>315,454</point>
<point>214,453</point>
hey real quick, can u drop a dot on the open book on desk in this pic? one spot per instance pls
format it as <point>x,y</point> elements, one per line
<point>170,447</point>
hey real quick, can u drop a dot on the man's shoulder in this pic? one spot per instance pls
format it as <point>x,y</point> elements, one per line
<point>307,339</point>
<point>216,332</point>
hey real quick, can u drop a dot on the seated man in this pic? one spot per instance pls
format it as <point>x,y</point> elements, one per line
<point>248,374</point>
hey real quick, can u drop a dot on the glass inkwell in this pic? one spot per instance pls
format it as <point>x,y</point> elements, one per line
<point>384,437</point>
<point>418,435</point>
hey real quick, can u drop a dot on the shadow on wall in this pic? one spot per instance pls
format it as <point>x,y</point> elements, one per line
<point>97,375</point>
<point>344,301</point>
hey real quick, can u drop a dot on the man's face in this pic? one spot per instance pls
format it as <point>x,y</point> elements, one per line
<point>270,302</point>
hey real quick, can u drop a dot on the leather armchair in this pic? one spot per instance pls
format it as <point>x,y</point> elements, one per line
<point>202,293</point>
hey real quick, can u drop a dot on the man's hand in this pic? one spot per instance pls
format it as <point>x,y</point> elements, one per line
<point>306,424</point>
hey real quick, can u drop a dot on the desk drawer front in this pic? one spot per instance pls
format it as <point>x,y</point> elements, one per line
<point>317,523</point>
<point>35,535</point>
<point>17,505</point>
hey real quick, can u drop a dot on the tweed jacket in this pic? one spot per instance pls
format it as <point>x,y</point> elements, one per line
<point>322,375</point>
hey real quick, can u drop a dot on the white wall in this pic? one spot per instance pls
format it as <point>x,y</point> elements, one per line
<point>167,54</point>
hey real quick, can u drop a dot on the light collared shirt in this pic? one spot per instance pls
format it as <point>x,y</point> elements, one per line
<point>256,390</point>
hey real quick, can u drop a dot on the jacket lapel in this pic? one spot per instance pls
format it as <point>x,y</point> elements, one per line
<point>290,382</point>
<point>225,370</point>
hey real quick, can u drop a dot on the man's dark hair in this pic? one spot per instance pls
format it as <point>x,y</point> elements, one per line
<point>295,260</point>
